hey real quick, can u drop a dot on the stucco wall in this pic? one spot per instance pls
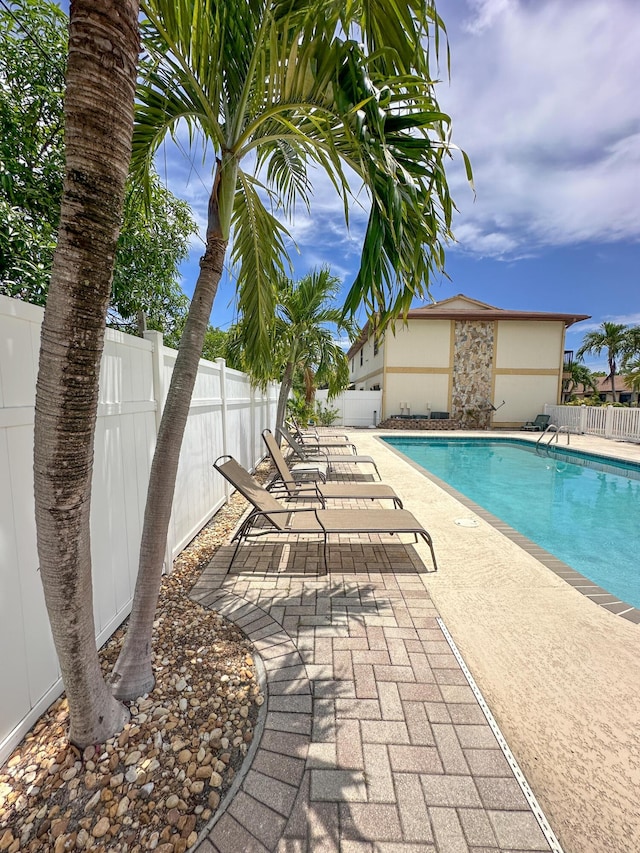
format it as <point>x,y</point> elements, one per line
<point>420,344</point>
<point>370,371</point>
<point>529,344</point>
<point>422,391</point>
<point>525,397</point>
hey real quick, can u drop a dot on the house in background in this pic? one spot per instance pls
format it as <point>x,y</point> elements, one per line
<point>624,392</point>
<point>462,357</point>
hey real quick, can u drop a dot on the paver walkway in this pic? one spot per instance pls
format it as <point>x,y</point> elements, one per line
<point>373,739</point>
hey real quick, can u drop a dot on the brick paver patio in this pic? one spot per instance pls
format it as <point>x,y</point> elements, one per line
<point>373,739</point>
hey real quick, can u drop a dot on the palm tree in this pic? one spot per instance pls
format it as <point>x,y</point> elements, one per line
<point>303,339</point>
<point>98,119</point>
<point>632,375</point>
<point>284,85</point>
<point>632,345</point>
<point>580,375</point>
<point>611,337</point>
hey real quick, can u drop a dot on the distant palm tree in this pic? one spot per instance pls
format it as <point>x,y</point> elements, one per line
<point>612,337</point>
<point>632,375</point>
<point>632,346</point>
<point>580,375</point>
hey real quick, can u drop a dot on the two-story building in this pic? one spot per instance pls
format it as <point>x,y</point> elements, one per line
<point>465,358</point>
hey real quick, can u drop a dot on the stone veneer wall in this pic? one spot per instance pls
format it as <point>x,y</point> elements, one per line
<point>419,423</point>
<point>473,349</point>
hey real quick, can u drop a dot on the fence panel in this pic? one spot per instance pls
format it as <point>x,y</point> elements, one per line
<point>595,423</point>
<point>197,495</point>
<point>134,376</point>
<point>625,424</point>
<point>568,416</point>
<point>355,408</point>
<point>125,437</point>
<point>615,422</point>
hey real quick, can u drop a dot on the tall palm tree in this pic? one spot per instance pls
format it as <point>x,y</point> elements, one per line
<point>283,84</point>
<point>101,75</point>
<point>611,337</point>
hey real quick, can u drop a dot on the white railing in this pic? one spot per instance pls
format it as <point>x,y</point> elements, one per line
<point>616,422</point>
<point>226,416</point>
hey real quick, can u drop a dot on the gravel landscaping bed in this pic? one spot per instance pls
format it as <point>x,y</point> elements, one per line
<point>157,784</point>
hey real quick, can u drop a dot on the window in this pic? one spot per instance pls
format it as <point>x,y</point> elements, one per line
<point>361,356</point>
<point>375,346</point>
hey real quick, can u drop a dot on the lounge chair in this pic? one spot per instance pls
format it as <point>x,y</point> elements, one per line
<point>307,453</point>
<point>539,425</point>
<point>306,520</point>
<point>313,432</point>
<point>325,491</point>
<point>314,441</point>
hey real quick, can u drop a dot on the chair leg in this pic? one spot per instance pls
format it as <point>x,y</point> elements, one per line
<point>234,553</point>
<point>429,541</point>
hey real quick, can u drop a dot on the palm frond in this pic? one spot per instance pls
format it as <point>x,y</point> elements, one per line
<point>258,250</point>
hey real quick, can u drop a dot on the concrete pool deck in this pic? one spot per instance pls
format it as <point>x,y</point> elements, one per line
<point>560,673</point>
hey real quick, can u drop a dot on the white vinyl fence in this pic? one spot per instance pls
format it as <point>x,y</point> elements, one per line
<point>226,416</point>
<point>615,422</point>
<point>355,408</point>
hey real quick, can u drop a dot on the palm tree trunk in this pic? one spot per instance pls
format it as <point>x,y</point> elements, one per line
<point>133,674</point>
<point>612,369</point>
<point>101,74</point>
<point>283,396</point>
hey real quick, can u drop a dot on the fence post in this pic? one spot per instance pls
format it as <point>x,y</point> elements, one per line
<point>582,426</point>
<point>255,453</point>
<point>222,364</point>
<point>157,367</point>
<point>608,422</point>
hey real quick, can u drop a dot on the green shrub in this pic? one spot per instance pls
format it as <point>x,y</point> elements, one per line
<point>324,415</point>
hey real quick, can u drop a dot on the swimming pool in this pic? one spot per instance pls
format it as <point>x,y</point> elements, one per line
<point>581,508</point>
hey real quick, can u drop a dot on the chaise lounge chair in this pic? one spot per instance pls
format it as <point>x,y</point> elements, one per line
<point>312,431</point>
<point>325,491</point>
<point>306,520</point>
<point>539,425</point>
<point>315,441</point>
<point>308,454</point>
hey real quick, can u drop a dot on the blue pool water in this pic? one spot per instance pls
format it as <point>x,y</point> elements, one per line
<point>581,508</point>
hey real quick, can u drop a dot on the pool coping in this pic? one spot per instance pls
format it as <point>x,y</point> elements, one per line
<point>567,573</point>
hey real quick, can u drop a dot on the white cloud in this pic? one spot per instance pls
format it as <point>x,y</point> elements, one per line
<point>622,319</point>
<point>485,13</point>
<point>542,98</point>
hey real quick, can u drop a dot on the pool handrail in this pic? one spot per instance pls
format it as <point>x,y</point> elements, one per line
<point>555,432</point>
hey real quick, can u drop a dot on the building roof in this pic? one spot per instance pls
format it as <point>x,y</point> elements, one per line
<point>603,386</point>
<point>461,307</point>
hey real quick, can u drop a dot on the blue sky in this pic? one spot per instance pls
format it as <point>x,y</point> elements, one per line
<point>544,99</point>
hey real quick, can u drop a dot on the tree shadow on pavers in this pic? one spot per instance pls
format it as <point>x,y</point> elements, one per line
<point>296,793</point>
<point>292,796</point>
<point>295,558</point>
<point>325,810</point>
